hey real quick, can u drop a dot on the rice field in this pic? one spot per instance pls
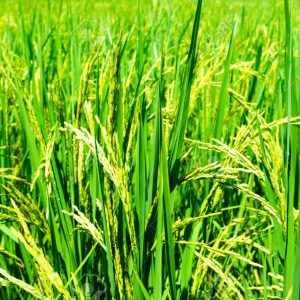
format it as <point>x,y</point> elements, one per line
<point>149,149</point>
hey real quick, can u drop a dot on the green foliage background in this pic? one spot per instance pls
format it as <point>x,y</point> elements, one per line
<point>149,150</point>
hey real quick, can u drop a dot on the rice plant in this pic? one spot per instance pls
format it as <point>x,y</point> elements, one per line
<point>149,149</point>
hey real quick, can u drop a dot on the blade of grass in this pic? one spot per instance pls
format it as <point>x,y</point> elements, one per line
<point>177,137</point>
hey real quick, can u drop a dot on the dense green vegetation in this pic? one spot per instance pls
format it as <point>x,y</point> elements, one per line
<point>149,150</point>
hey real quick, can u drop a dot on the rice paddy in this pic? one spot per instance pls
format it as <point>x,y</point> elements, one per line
<point>149,149</point>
